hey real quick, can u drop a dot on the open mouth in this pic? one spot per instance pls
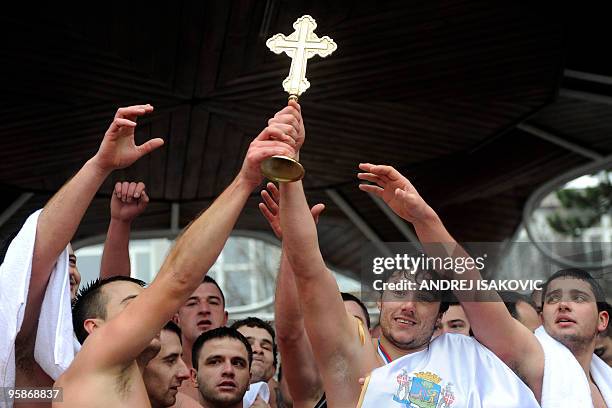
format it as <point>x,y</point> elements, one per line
<point>565,321</point>
<point>405,321</point>
<point>204,323</point>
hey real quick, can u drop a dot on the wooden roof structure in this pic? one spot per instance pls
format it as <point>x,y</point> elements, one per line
<point>478,102</point>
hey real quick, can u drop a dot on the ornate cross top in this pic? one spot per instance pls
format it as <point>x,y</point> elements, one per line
<point>301,45</point>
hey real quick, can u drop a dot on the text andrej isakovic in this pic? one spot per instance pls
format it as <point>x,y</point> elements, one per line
<point>447,266</point>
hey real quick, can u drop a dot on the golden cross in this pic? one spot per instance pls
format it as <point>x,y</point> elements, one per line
<point>301,45</point>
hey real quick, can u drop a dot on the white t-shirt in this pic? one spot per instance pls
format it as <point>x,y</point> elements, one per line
<point>455,371</point>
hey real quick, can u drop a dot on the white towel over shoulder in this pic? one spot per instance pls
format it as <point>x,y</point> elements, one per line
<point>565,383</point>
<point>55,345</point>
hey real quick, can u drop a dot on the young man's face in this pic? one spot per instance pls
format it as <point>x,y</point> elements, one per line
<point>73,272</point>
<point>223,372</point>
<point>263,352</point>
<point>203,311</point>
<point>454,320</point>
<point>408,318</point>
<point>570,312</point>
<point>166,372</point>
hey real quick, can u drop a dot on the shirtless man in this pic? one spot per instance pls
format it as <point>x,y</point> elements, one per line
<point>222,360</point>
<point>204,310</point>
<point>106,371</point>
<point>573,310</point>
<point>57,224</point>
<point>166,371</point>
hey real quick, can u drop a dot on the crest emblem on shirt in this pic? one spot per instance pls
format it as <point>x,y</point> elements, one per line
<point>423,390</point>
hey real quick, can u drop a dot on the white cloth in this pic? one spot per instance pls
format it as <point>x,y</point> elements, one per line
<point>455,371</point>
<point>55,344</point>
<point>259,388</point>
<point>565,383</point>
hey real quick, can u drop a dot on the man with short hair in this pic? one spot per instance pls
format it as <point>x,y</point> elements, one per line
<point>166,371</point>
<point>204,310</point>
<point>55,227</point>
<point>454,320</point>
<point>260,336</point>
<point>221,360</point>
<point>106,372</point>
<point>522,309</point>
<point>343,349</point>
<point>572,311</point>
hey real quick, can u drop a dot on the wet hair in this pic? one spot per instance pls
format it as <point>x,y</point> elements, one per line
<point>90,303</point>
<point>172,327</point>
<point>347,297</point>
<point>511,299</point>
<point>442,296</point>
<point>579,274</point>
<point>208,279</point>
<point>256,322</point>
<point>218,333</point>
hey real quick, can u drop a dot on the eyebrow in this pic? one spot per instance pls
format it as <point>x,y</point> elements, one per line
<point>128,298</point>
<point>456,321</point>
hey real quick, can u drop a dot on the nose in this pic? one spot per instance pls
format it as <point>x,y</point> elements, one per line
<point>564,305</point>
<point>408,306</point>
<point>183,372</point>
<point>228,369</point>
<point>256,347</point>
<point>204,308</point>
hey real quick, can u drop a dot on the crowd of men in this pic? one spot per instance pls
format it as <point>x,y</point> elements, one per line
<point>170,343</point>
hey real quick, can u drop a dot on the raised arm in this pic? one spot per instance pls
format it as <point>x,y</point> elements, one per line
<point>335,337</point>
<point>299,367</point>
<point>63,213</point>
<point>128,201</point>
<point>189,260</point>
<point>490,321</point>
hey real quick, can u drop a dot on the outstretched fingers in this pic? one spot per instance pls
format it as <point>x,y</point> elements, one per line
<point>150,145</point>
<point>369,188</point>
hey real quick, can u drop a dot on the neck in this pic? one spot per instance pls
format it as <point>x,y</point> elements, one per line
<point>187,347</point>
<point>208,404</point>
<point>584,355</point>
<point>395,352</point>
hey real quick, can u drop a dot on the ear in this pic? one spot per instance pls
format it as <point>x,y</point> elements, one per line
<point>92,324</point>
<point>604,321</point>
<point>225,318</point>
<point>193,374</point>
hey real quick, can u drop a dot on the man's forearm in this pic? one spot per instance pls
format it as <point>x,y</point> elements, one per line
<point>197,249</point>
<point>299,231</point>
<point>62,215</point>
<point>56,226</point>
<point>289,317</point>
<point>116,255</point>
<point>298,360</point>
